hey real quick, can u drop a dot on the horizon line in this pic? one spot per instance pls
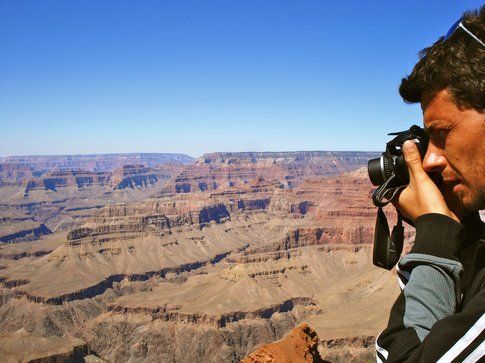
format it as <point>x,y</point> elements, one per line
<point>183,154</point>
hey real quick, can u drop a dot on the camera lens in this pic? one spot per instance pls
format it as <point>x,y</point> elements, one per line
<point>379,169</point>
<point>374,168</point>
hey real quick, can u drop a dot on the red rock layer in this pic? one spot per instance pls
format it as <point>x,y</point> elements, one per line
<point>299,346</point>
<point>223,170</point>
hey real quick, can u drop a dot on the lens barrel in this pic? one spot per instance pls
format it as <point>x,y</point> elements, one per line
<point>374,168</point>
<point>379,169</point>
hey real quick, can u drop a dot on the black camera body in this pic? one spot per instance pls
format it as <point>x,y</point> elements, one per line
<point>390,174</point>
<point>390,170</point>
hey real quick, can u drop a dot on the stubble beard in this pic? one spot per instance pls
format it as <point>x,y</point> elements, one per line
<point>464,201</point>
<point>476,200</point>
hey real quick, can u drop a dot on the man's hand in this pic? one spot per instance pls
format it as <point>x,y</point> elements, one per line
<point>421,196</point>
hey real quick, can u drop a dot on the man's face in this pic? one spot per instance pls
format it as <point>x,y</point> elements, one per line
<point>456,152</point>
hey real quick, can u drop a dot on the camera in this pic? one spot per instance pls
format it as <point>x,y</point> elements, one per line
<point>390,174</point>
<point>390,171</point>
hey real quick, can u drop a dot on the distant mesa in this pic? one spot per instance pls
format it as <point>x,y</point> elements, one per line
<point>93,162</point>
<point>26,234</point>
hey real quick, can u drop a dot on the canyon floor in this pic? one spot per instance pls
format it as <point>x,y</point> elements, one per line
<point>200,261</point>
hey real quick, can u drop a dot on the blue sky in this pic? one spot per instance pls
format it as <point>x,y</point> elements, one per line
<point>203,76</point>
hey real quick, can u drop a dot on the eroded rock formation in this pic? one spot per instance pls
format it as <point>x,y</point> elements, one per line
<point>36,201</point>
<point>221,170</point>
<point>299,346</point>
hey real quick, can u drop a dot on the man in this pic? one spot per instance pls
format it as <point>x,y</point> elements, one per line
<point>440,313</point>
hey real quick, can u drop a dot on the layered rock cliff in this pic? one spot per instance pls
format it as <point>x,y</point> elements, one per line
<point>221,170</point>
<point>58,200</point>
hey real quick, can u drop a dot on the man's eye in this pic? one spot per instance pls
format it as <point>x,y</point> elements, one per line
<point>439,135</point>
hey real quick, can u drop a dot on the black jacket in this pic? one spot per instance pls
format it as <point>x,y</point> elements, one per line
<point>440,314</point>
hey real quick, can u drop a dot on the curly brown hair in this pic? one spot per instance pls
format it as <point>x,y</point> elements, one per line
<point>457,64</point>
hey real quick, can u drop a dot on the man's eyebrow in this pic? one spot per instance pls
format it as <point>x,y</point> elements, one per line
<point>432,126</point>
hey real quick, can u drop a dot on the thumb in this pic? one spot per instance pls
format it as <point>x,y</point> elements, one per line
<point>413,158</point>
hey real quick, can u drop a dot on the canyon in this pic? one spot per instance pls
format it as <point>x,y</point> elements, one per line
<point>41,195</point>
<point>188,260</point>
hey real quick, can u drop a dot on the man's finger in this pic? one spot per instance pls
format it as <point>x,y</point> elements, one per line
<point>413,158</point>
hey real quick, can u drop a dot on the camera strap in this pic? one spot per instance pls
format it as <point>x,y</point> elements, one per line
<point>387,247</point>
<point>385,193</point>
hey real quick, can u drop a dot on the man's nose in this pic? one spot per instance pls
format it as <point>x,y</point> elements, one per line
<point>434,160</point>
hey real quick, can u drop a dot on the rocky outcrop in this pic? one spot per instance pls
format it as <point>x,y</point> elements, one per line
<point>26,235</point>
<point>171,313</point>
<point>160,341</point>
<point>14,174</point>
<point>299,346</point>
<point>311,236</point>
<point>349,349</point>
<point>30,347</point>
<point>69,178</point>
<point>19,255</point>
<point>9,283</point>
<point>128,176</point>
<point>350,342</point>
<point>136,176</point>
<point>158,224</point>
<point>263,257</point>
